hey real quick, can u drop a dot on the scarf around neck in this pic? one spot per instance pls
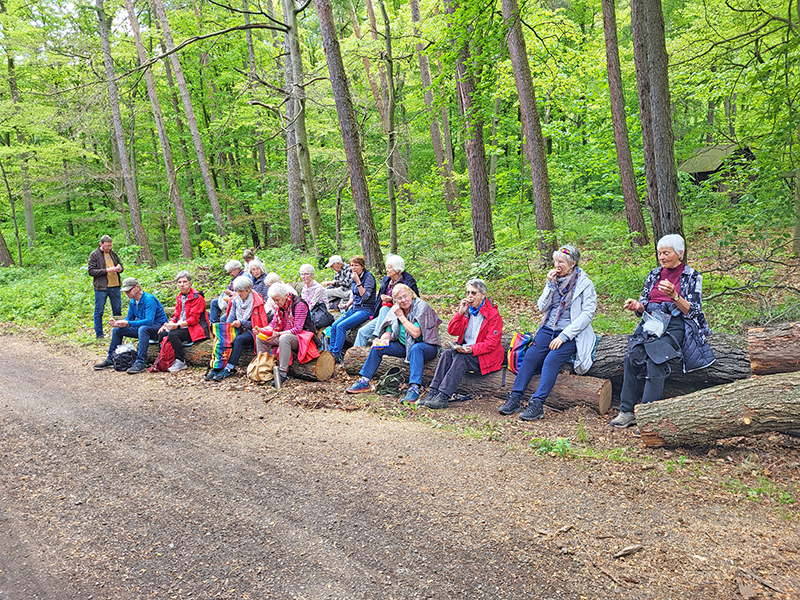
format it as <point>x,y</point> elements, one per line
<point>474,311</point>
<point>565,287</point>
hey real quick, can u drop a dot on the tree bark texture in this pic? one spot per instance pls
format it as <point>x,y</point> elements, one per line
<point>774,349</point>
<point>130,189</point>
<point>532,128</point>
<point>191,121</point>
<point>166,148</point>
<point>749,407</point>
<point>630,193</point>
<point>569,390</point>
<point>350,136</point>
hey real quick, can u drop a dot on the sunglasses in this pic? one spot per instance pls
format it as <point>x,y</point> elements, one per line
<point>472,292</point>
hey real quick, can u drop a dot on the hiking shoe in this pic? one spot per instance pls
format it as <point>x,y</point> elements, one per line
<point>438,402</point>
<point>211,374</point>
<point>423,401</point>
<point>534,411</point>
<point>223,374</point>
<point>178,365</point>
<point>624,419</point>
<point>137,367</point>
<point>106,364</point>
<point>512,405</point>
<point>412,395</point>
<point>359,387</point>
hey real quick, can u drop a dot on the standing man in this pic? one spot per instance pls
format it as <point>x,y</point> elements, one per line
<point>144,320</point>
<point>104,266</point>
<point>338,288</point>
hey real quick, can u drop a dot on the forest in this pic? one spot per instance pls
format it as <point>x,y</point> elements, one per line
<point>470,136</point>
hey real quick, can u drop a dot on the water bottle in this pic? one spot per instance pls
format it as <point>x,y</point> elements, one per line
<point>276,377</point>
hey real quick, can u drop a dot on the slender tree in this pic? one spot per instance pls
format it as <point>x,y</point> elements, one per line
<point>350,135</point>
<point>297,231</point>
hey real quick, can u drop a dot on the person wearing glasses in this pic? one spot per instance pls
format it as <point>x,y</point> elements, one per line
<point>568,303</point>
<point>479,327</point>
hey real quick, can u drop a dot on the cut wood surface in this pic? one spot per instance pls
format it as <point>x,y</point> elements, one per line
<point>749,407</point>
<point>569,390</point>
<point>775,348</point>
<point>199,354</point>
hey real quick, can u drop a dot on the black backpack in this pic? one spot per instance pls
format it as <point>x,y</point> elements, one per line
<point>123,360</point>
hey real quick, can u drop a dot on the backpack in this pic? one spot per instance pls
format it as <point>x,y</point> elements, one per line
<point>320,315</point>
<point>165,358</point>
<point>124,357</point>
<point>261,367</point>
<point>520,342</point>
<point>389,384</point>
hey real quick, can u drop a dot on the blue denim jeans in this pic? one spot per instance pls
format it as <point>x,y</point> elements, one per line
<point>417,355</point>
<point>371,329</point>
<point>342,325</point>
<point>214,312</point>
<point>144,334</point>
<point>100,296</point>
<point>539,357</point>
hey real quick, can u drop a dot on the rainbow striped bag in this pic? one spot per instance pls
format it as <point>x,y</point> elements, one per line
<point>222,336</point>
<point>520,342</point>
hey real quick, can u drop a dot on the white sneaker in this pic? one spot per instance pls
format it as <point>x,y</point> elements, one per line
<point>178,365</point>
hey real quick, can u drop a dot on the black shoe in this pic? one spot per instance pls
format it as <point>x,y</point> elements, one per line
<point>438,402</point>
<point>512,405</point>
<point>137,367</point>
<point>423,401</point>
<point>211,374</point>
<point>224,374</point>
<point>534,411</point>
<point>106,364</point>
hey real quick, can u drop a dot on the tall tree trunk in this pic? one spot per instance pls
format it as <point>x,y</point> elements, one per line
<point>298,95</point>
<point>68,200</point>
<point>166,148</point>
<point>443,161</point>
<point>251,63</point>
<point>6,260</point>
<point>139,234</point>
<point>532,127</point>
<point>633,208</point>
<point>498,104</point>
<point>297,231</point>
<point>350,136</point>
<point>12,204</point>
<point>642,64</point>
<point>376,92</point>
<point>190,118</point>
<point>27,195</point>
<point>392,154</point>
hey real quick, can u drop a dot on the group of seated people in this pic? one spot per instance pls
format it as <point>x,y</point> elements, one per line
<point>270,314</point>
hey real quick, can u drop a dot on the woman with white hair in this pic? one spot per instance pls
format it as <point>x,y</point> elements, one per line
<point>568,302</point>
<point>258,273</point>
<point>313,292</point>
<point>395,274</point>
<point>246,314</point>
<point>219,305</point>
<point>673,325</point>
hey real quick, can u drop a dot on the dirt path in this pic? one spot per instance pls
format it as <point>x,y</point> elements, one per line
<point>161,486</point>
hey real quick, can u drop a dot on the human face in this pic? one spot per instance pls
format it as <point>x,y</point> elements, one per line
<point>106,246</point>
<point>337,267</point>
<point>357,268</point>
<point>668,258</point>
<point>403,299</point>
<point>563,265</point>
<point>256,271</point>
<point>306,278</point>
<point>282,301</point>
<point>390,271</point>
<point>184,285</point>
<point>243,294</point>
<point>474,296</point>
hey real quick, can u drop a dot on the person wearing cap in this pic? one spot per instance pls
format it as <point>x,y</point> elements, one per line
<point>104,266</point>
<point>220,305</point>
<point>338,288</point>
<point>568,303</point>
<point>145,318</point>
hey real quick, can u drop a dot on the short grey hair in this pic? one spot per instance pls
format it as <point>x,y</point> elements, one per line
<point>306,268</point>
<point>256,262</point>
<point>280,290</point>
<point>232,264</point>
<point>242,283</point>
<point>272,278</point>
<point>570,251</point>
<point>674,241</point>
<point>480,284</point>
<point>182,274</point>
<point>396,261</point>
<point>105,238</point>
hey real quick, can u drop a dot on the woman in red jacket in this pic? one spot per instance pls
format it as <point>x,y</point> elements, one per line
<point>479,327</point>
<point>189,322</point>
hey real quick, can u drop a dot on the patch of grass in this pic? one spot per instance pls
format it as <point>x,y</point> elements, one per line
<point>559,446</point>
<point>761,489</point>
<point>582,436</point>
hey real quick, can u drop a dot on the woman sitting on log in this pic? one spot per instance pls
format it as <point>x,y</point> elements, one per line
<point>258,273</point>
<point>291,329</point>
<point>189,322</point>
<point>479,327</point>
<point>568,303</point>
<point>410,331</point>
<point>673,325</point>
<point>246,313</point>
<point>359,308</point>
<point>313,292</point>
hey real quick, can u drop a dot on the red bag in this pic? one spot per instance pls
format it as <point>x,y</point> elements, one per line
<point>165,357</point>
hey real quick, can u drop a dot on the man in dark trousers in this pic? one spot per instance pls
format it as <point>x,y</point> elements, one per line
<point>105,267</point>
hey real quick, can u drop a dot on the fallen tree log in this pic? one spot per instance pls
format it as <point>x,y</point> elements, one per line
<point>199,354</point>
<point>569,390</point>
<point>774,349</point>
<point>749,407</point>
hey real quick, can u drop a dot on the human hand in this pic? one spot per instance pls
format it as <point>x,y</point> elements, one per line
<point>556,344</point>
<point>237,323</point>
<point>463,349</point>
<point>667,288</point>
<point>356,278</point>
<point>551,275</point>
<point>397,310</point>
<point>228,293</point>
<point>631,304</point>
<point>385,298</point>
<point>380,343</point>
<point>462,308</point>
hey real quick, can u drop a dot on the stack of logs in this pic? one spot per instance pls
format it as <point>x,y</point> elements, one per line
<point>722,400</point>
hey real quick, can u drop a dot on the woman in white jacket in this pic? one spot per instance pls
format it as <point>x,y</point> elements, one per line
<point>568,303</point>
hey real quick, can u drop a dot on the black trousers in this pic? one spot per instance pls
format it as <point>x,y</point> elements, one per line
<point>451,370</point>
<point>176,338</point>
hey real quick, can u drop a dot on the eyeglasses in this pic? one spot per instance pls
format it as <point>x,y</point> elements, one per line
<point>472,292</point>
